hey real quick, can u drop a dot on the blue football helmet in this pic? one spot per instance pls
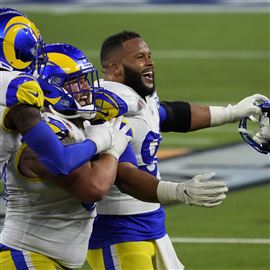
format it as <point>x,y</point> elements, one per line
<point>67,65</point>
<point>259,140</point>
<point>22,47</point>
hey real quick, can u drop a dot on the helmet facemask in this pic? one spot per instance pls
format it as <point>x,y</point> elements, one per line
<point>83,97</point>
<point>71,77</point>
<point>255,129</point>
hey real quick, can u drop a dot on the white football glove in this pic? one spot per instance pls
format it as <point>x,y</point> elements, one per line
<point>232,113</point>
<point>200,191</point>
<point>120,138</point>
<point>75,133</point>
<point>100,134</point>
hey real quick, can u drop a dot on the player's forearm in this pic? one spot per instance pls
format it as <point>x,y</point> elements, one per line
<point>137,183</point>
<point>92,181</point>
<point>200,117</point>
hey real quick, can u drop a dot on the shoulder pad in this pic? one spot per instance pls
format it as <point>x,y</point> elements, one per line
<point>24,89</point>
<point>116,99</point>
<point>6,77</point>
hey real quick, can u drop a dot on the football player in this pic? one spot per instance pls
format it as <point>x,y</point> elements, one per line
<point>49,217</point>
<point>199,191</point>
<point>127,231</point>
<point>48,202</point>
<point>22,49</point>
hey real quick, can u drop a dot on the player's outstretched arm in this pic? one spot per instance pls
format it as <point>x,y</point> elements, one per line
<point>204,116</point>
<point>137,183</point>
<point>200,190</point>
<point>181,116</point>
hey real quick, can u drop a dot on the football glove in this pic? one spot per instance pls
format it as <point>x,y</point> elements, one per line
<point>121,136</point>
<point>199,191</point>
<point>232,113</point>
<point>100,134</point>
<point>110,137</point>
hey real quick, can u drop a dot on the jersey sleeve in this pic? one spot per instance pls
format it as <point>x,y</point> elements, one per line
<point>128,156</point>
<point>162,113</point>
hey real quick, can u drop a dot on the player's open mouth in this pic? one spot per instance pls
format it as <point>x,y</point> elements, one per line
<point>148,76</point>
<point>84,100</point>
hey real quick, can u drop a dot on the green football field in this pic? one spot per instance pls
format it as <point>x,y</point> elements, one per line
<point>243,215</point>
<point>205,58</point>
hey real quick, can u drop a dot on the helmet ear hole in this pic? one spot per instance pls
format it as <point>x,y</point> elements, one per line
<point>21,56</point>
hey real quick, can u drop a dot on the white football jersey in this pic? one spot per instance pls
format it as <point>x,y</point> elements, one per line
<point>143,116</point>
<point>9,141</point>
<point>42,217</point>
<point>15,88</point>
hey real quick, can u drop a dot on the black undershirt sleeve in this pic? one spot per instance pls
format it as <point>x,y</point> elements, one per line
<point>178,116</point>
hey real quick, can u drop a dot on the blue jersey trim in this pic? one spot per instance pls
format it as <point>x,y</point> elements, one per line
<point>129,156</point>
<point>162,113</point>
<point>113,229</point>
<point>5,248</point>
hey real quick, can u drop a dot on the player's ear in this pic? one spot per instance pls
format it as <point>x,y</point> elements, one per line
<point>116,68</point>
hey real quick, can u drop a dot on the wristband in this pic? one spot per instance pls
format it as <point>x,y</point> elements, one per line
<point>167,192</point>
<point>221,115</point>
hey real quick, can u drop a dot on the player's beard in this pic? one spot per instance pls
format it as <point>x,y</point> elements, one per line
<point>133,79</point>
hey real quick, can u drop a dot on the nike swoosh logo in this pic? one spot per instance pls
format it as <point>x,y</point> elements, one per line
<point>33,93</point>
<point>105,113</point>
<point>185,191</point>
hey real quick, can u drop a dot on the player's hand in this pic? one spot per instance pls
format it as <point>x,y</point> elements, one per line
<point>122,135</point>
<point>246,107</point>
<point>232,113</point>
<point>100,134</point>
<point>76,134</point>
<point>202,191</point>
